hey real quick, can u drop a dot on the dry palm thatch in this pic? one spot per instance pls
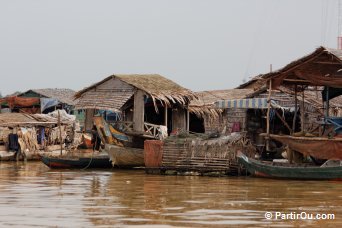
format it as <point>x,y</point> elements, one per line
<point>27,120</point>
<point>204,105</point>
<point>160,88</point>
<point>21,119</point>
<point>156,86</point>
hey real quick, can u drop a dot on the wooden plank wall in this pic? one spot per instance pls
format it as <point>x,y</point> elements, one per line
<point>178,119</point>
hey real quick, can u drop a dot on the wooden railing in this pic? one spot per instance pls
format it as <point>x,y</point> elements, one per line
<point>150,130</point>
<point>124,126</point>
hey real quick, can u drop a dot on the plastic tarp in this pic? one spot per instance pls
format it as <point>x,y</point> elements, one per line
<point>46,103</point>
<point>53,117</point>
<point>12,102</point>
<point>252,103</point>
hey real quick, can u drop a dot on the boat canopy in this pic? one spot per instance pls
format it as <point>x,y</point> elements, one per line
<point>250,103</point>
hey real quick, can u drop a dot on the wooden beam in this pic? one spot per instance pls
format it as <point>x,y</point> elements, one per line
<point>302,113</point>
<point>268,116</point>
<point>165,115</point>
<point>187,120</point>
<point>284,122</point>
<point>329,63</point>
<point>297,81</point>
<point>138,111</point>
<point>296,110</point>
<point>327,103</point>
<point>269,108</point>
<point>60,132</point>
<point>88,121</point>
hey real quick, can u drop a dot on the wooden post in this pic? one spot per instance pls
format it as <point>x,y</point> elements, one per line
<point>295,114</point>
<point>138,111</point>
<point>284,122</point>
<point>327,103</point>
<point>165,115</point>
<point>268,116</point>
<point>60,132</point>
<point>187,120</point>
<point>88,121</point>
<point>302,113</point>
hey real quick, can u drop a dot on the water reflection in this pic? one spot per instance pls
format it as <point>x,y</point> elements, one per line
<point>32,194</point>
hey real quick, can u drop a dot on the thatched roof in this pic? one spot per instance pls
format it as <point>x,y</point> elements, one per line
<point>204,105</point>
<point>308,70</point>
<point>155,86</point>
<point>28,120</point>
<point>63,95</point>
<point>320,68</point>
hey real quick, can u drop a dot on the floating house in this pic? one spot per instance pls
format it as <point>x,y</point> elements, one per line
<point>143,102</point>
<point>32,135</point>
<point>51,99</point>
<point>206,118</point>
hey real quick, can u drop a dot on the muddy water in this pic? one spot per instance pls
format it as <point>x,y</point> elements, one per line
<point>33,195</point>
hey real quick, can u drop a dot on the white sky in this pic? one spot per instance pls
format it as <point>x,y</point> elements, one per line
<point>202,45</point>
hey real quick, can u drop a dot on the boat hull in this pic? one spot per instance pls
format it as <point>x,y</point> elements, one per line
<point>287,171</point>
<point>125,157</point>
<point>317,147</point>
<point>76,163</point>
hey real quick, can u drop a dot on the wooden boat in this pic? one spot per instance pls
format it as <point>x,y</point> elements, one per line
<point>289,171</point>
<point>7,156</point>
<point>125,157</point>
<point>77,162</point>
<point>317,147</point>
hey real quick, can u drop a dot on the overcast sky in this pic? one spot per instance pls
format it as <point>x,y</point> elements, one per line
<point>202,45</point>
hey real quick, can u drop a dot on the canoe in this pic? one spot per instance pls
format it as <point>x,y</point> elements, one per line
<point>125,157</point>
<point>289,171</point>
<point>77,162</point>
<point>317,147</point>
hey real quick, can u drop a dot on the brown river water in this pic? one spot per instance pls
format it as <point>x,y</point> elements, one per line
<point>32,195</point>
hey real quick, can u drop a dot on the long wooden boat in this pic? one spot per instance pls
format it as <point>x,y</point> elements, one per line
<point>77,162</point>
<point>289,171</point>
<point>317,147</point>
<point>125,157</point>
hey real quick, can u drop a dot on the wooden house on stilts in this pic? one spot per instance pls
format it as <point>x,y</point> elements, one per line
<point>143,102</point>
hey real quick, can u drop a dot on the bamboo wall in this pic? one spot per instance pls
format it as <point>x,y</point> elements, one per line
<point>226,121</point>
